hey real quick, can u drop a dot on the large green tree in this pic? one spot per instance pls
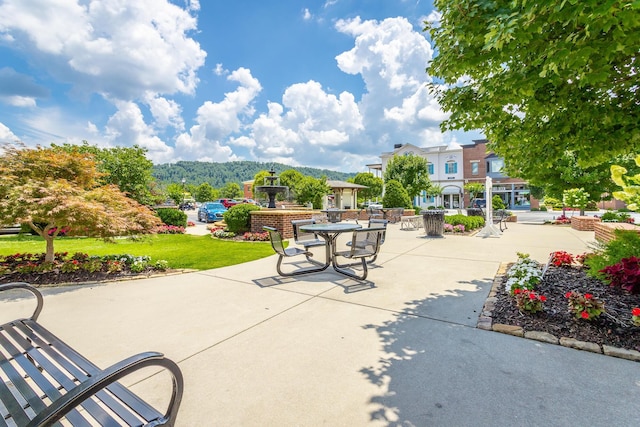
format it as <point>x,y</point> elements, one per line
<point>411,171</point>
<point>231,190</point>
<point>205,192</point>
<point>312,190</point>
<point>540,78</point>
<point>567,173</point>
<point>292,179</point>
<point>373,183</point>
<point>55,188</point>
<point>126,167</point>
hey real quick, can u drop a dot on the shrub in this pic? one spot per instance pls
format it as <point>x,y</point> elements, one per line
<point>170,229</point>
<point>469,222</point>
<point>395,195</point>
<point>561,258</point>
<point>171,216</point>
<point>591,206</point>
<point>261,236</point>
<point>497,202</point>
<point>221,233</point>
<point>238,217</point>
<point>609,216</point>
<point>524,274</point>
<point>626,244</point>
<point>554,203</point>
<point>624,274</point>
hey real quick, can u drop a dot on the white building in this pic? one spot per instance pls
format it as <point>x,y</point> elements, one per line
<point>445,169</point>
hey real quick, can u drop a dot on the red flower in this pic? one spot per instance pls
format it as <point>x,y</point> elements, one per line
<point>567,295</point>
<point>584,315</point>
<point>516,291</point>
<point>635,312</point>
<point>543,299</point>
<point>532,295</point>
<point>588,296</point>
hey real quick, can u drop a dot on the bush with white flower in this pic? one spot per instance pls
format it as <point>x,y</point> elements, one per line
<point>526,273</point>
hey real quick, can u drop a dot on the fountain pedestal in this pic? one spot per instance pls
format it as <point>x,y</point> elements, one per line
<point>272,188</point>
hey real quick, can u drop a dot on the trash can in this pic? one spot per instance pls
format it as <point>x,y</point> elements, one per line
<point>433,221</point>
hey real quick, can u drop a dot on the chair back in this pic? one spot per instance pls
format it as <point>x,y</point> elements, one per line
<point>300,236</point>
<point>395,214</point>
<point>374,213</point>
<point>334,216</point>
<point>276,240</point>
<point>366,242</point>
<point>379,223</point>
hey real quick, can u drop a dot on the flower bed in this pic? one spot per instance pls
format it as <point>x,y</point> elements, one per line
<point>562,300</point>
<point>31,268</point>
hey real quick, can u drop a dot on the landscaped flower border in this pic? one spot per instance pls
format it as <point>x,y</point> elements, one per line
<point>29,263</point>
<point>525,274</point>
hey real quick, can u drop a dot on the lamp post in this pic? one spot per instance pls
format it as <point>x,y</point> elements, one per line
<point>183,190</point>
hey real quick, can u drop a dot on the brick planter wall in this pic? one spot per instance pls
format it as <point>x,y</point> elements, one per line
<point>604,231</point>
<point>279,219</point>
<point>584,223</point>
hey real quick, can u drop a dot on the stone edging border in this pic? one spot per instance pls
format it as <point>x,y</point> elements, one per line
<point>485,321</point>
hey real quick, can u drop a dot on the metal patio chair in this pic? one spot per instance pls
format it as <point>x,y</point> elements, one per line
<point>365,243</point>
<point>278,246</point>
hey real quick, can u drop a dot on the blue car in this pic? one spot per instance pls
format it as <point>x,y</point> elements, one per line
<point>211,212</point>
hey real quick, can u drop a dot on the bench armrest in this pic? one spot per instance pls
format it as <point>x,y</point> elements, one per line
<point>104,378</point>
<point>28,287</point>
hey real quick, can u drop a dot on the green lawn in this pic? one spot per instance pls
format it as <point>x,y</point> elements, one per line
<point>179,250</point>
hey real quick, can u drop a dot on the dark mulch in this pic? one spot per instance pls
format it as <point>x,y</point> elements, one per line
<point>57,278</point>
<point>613,328</point>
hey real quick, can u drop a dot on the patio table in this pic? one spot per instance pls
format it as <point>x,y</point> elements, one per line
<point>330,232</point>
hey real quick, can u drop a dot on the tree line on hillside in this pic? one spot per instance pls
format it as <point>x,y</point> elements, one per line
<point>220,174</point>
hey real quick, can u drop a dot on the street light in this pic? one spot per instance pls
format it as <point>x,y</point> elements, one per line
<point>183,190</point>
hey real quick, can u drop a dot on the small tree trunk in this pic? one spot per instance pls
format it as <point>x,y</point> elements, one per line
<point>49,254</point>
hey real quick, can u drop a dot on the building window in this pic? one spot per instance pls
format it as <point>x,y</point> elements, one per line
<point>475,167</point>
<point>451,167</point>
<point>430,168</point>
<point>495,165</point>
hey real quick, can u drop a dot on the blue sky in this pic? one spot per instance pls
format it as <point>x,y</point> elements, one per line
<point>329,84</point>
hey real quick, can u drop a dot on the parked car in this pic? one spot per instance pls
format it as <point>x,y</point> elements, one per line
<point>227,203</point>
<point>372,205</point>
<point>479,203</point>
<point>211,212</point>
<point>250,201</point>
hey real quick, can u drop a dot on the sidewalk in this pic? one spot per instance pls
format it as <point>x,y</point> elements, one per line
<point>260,350</point>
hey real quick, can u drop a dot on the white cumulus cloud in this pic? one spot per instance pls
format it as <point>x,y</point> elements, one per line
<point>123,49</point>
<point>218,121</point>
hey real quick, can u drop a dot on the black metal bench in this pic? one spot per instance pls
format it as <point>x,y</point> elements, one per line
<point>500,218</point>
<point>44,381</point>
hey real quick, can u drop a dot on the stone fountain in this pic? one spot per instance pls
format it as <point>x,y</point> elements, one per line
<point>272,188</point>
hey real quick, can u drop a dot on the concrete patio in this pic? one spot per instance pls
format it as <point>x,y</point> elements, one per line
<point>259,350</point>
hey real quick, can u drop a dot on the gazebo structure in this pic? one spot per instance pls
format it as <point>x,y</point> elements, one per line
<point>345,195</point>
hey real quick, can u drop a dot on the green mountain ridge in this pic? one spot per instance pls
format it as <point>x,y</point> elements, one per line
<point>219,174</point>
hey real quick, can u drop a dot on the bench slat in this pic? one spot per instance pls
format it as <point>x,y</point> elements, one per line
<point>50,390</point>
<point>45,344</point>
<point>39,354</point>
<point>42,380</point>
<point>12,405</point>
<point>124,403</point>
